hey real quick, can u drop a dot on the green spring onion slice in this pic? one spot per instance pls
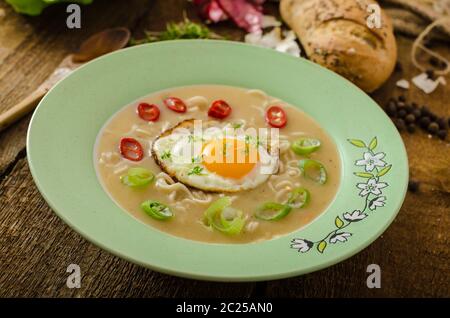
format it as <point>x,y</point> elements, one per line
<point>305,146</point>
<point>223,218</point>
<point>272,211</point>
<point>157,210</point>
<point>137,177</point>
<point>299,198</point>
<point>313,170</point>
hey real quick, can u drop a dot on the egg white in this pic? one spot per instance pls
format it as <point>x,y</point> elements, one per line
<point>180,166</point>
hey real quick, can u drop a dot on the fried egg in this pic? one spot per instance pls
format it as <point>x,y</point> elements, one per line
<point>213,160</point>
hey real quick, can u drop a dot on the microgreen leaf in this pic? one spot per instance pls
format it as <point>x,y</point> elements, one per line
<point>197,170</point>
<point>166,155</point>
<point>185,29</point>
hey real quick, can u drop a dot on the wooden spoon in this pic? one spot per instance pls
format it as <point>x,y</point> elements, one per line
<point>98,44</point>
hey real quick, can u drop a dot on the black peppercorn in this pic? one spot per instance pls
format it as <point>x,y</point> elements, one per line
<point>424,122</point>
<point>433,128</point>
<point>425,110</point>
<point>417,113</point>
<point>442,134</point>
<point>391,109</point>
<point>442,123</point>
<point>413,186</point>
<point>392,102</point>
<point>410,118</point>
<point>400,124</point>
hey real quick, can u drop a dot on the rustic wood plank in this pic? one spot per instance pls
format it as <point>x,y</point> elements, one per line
<point>36,247</point>
<point>12,143</point>
<point>11,24</point>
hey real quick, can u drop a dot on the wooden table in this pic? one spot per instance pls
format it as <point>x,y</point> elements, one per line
<point>36,246</point>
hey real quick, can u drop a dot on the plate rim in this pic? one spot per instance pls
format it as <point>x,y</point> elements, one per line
<point>203,276</point>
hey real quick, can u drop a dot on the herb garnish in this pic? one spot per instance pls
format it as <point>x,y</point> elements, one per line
<point>249,138</point>
<point>197,170</point>
<point>237,125</point>
<point>193,138</point>
<point>224,149</point>
<point>166,155</point>
<point>185,29</point>
<point>258,142</point>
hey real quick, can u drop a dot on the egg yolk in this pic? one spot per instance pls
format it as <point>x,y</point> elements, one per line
<point>230,158</point>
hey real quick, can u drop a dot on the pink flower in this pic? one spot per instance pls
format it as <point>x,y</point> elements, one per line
<point>246,14</point>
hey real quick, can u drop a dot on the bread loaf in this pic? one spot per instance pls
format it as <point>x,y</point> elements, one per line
<point>335,34</point>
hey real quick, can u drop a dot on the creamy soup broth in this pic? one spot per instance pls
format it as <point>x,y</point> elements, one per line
<point>248,108</point>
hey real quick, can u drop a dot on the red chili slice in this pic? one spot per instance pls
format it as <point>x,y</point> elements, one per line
<point>276,117</point>
<point>131,149</point>
<point>219,109</point>
<point>148,112</point>
<point>175,104</point>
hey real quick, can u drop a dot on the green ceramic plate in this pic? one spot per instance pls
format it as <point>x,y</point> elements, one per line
<point>64,127</point>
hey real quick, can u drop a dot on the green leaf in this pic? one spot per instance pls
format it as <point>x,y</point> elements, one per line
<point>338,222</point>
<point>197,170</point>
<point>185,29</point>
<point>383,171</point>
<point>373,143</point>
<point>321,247</point>
<point>358,143</point>
<point>166,155</point>
<point>237,125</point>
<point>363,174</point>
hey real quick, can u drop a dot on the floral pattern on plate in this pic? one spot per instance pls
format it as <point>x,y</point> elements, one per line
<point>371,189</point>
